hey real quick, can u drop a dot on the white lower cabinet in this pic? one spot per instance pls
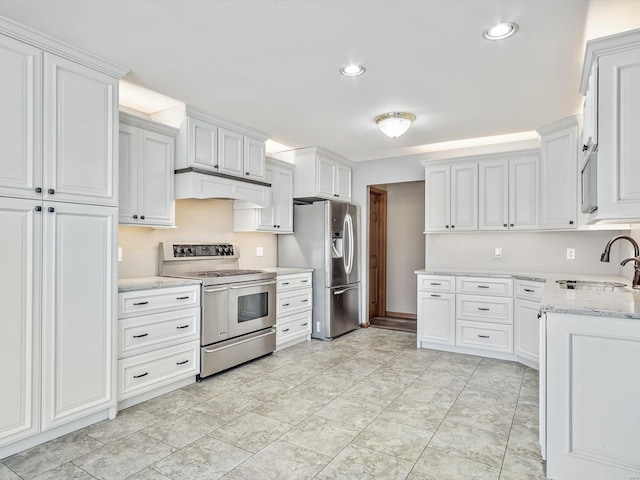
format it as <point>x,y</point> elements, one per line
<point>436,318</point>
<point>158,340</point>
<point>526,308</point>
<point>294,297</point>
<point>485,336</point>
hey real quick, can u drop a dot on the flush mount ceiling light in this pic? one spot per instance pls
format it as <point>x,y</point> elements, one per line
<point>352,70</point>
<point>500,31</point>
<point>394,124</point>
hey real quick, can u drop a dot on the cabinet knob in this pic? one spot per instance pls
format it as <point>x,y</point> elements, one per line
<point>453,226</point>
<point>135,217</point>
<point>570,222</point>
<point>511,224</point>
<point>247,173</point>
<point>38,190</point>
<point>275,226</point>
<point>336,195</point>
<point>215,166</point>
<point>38,208</point>
<point>51,191</point>
<point>51,209</point>
<point>505,225</point>
<point>141,217</point>
<point>447,226</point>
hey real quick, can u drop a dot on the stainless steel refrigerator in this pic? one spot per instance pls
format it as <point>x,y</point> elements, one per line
<point>326,239</point>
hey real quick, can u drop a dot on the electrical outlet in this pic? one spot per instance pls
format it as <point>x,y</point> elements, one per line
<point>571,253</point>
<point>498,252</point>
<point>119,254</point>
<point>259,252</point>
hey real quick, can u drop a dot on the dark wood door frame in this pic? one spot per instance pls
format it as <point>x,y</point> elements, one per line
<point>378,239</point>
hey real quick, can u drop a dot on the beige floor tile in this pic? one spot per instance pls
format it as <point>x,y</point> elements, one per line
<point>7,474</point>
<point>437,465</point>
<point>524,442</point>
<point>215,385</point>
<point>521,468</point>
<point>126,422</point>
<point>321,435</point>
<point>171,403</point>
<point>490,397</point>
<point>264,388</point>
<point>68,471</point>
<point>184,428</point>
<point>481,416</point>
<point>349,413</point>
<point>251,432</point>
<point>526,416</point>
<point>375,391</point>
<point>401,441</point>
<point>282,461</point>
<point>228,406</point>
<point>148,474</point>
<point>290,409</point>
<point>472,443</point>
<point>416,413</point>
<point>422,392</point>
<point>356,462</point>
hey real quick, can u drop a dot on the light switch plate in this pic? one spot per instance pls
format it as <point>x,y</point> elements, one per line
<point>498,252</point>
<point>119,254</point>
<point>259,252</point>
<point>571,253</point>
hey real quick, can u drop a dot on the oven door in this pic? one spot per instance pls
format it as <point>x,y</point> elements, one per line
<point>252,307</point>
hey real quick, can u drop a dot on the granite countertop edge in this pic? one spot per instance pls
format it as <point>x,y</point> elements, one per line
<point>150,283</point>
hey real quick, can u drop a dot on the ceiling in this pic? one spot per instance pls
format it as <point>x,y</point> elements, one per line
<point>273,64</point>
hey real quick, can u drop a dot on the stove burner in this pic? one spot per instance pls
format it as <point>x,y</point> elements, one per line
<point>227,273</point>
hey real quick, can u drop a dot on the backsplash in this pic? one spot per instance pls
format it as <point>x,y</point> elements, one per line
<point>196,221</point>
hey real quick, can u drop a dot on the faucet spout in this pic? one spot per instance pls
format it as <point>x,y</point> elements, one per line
<point>607,250</point>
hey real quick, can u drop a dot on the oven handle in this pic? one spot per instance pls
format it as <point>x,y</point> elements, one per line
<point>211,290</point>
<point>245,285</point>
<point>270,332</point>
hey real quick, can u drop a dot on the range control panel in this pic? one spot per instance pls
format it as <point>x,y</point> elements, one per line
<point>215,250</point>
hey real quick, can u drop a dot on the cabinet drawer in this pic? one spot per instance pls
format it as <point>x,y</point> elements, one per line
<point>485,336</point>
<point>142,373</point>
<point>150,332</point>
<point>157,300</point>
<point>295,301</point>
<point>528,290</point>
<point>293,326</point>
<point>436,283</point>
<point>293,282</point>
<point>502,287</point>
<point>484,309</point>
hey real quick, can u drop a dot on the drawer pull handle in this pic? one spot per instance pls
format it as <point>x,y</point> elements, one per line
<point>434,295</point>
<point>140,303</point>
<point>286,304</point>
<point>285,330</point>
<point>183,362</point>
<point>484,309</point>
<point>285,283</point>
<point>182,298</point>
<point>304,324</point>
<point>304,300</point>
<point>141,375</point>
<point>434,283</point>
<point>484,336</point>
<point>483,286</point>
<point>528,290</point>
<point>304,281</point>
<point>183,326</point>
<point>141,335</point>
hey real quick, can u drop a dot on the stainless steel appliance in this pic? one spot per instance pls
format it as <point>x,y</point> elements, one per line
<point>326,239</point>
<point>238,306</point>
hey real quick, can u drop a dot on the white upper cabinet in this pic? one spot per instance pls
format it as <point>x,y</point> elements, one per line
<point>559,175</point>
<point>451,197</point>
<point>266,217</point>
<point>493,206</point>
<point>284,199</point>
<point>523,192</point>
<point>611,83</point>
<point>212,145</point>
<point>20,119</point>
<point>146,172</point>
<point>320,174</point>
<point>80,125</point>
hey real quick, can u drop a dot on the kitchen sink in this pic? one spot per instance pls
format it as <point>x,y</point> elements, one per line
<point>595,286</point>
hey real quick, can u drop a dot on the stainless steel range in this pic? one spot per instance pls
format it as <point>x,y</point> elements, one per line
<point>238,306</point>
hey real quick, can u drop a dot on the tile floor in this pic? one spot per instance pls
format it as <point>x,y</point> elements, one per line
<point>368,405</point>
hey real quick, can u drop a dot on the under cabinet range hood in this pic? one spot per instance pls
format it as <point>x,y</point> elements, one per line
<point>190,183</point>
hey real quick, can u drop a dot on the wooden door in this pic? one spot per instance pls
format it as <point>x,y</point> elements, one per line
<point>377,252</point>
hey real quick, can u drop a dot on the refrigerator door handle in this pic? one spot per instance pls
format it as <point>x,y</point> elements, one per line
<point>346,243</point>
<point>351,243</point>
<point>341,291</point>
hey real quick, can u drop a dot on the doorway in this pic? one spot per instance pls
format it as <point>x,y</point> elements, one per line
<point>377,253</point>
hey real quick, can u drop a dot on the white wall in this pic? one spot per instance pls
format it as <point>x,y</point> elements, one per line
<point>405,244</point>
<point>626,251</point>
<point>197,221</point>
<point>523,252</point>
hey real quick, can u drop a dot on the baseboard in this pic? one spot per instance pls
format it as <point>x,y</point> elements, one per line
<point>407,316</point>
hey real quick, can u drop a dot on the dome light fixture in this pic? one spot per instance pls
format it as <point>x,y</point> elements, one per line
<point>501,31</point>
<point>352,70</point>
<point>394,124</point>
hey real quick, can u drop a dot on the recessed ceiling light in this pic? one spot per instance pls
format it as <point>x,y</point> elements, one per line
<point>352,70</point>
<point>501,30</point>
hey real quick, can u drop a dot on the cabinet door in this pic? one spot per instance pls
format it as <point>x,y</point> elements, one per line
<point>284,200</point>
<point>618,127</point>
<point>267,216</point>
<point>493,200</point>
<point>326,180</point>
<point>343,182</point>
<point>559,179</point>
<point>437,198</point>
<point>523,193</point>
<point>128,173</point>
<point>254,159</point>
<point>81,121</point>
<point>230,159</point>
<point>464,197</point>
<point>155,173</point>
<point>79,291</point>
<point>20,257</point>
<point>20,119</point>
<point>202,145</point>
<point>527,329</point>
<point>436,318</point>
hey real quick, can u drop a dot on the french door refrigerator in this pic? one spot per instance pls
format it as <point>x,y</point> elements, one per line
<point>326,239</point>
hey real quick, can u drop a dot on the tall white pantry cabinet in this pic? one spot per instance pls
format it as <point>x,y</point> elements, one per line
<point>58,211</point>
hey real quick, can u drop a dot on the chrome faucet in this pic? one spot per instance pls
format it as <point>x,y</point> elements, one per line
<point>636,257</point>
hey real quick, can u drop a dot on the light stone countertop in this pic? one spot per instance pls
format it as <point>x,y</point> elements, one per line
<point>287,270</point>
<point>622,304</point>
<point>146,283</point>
